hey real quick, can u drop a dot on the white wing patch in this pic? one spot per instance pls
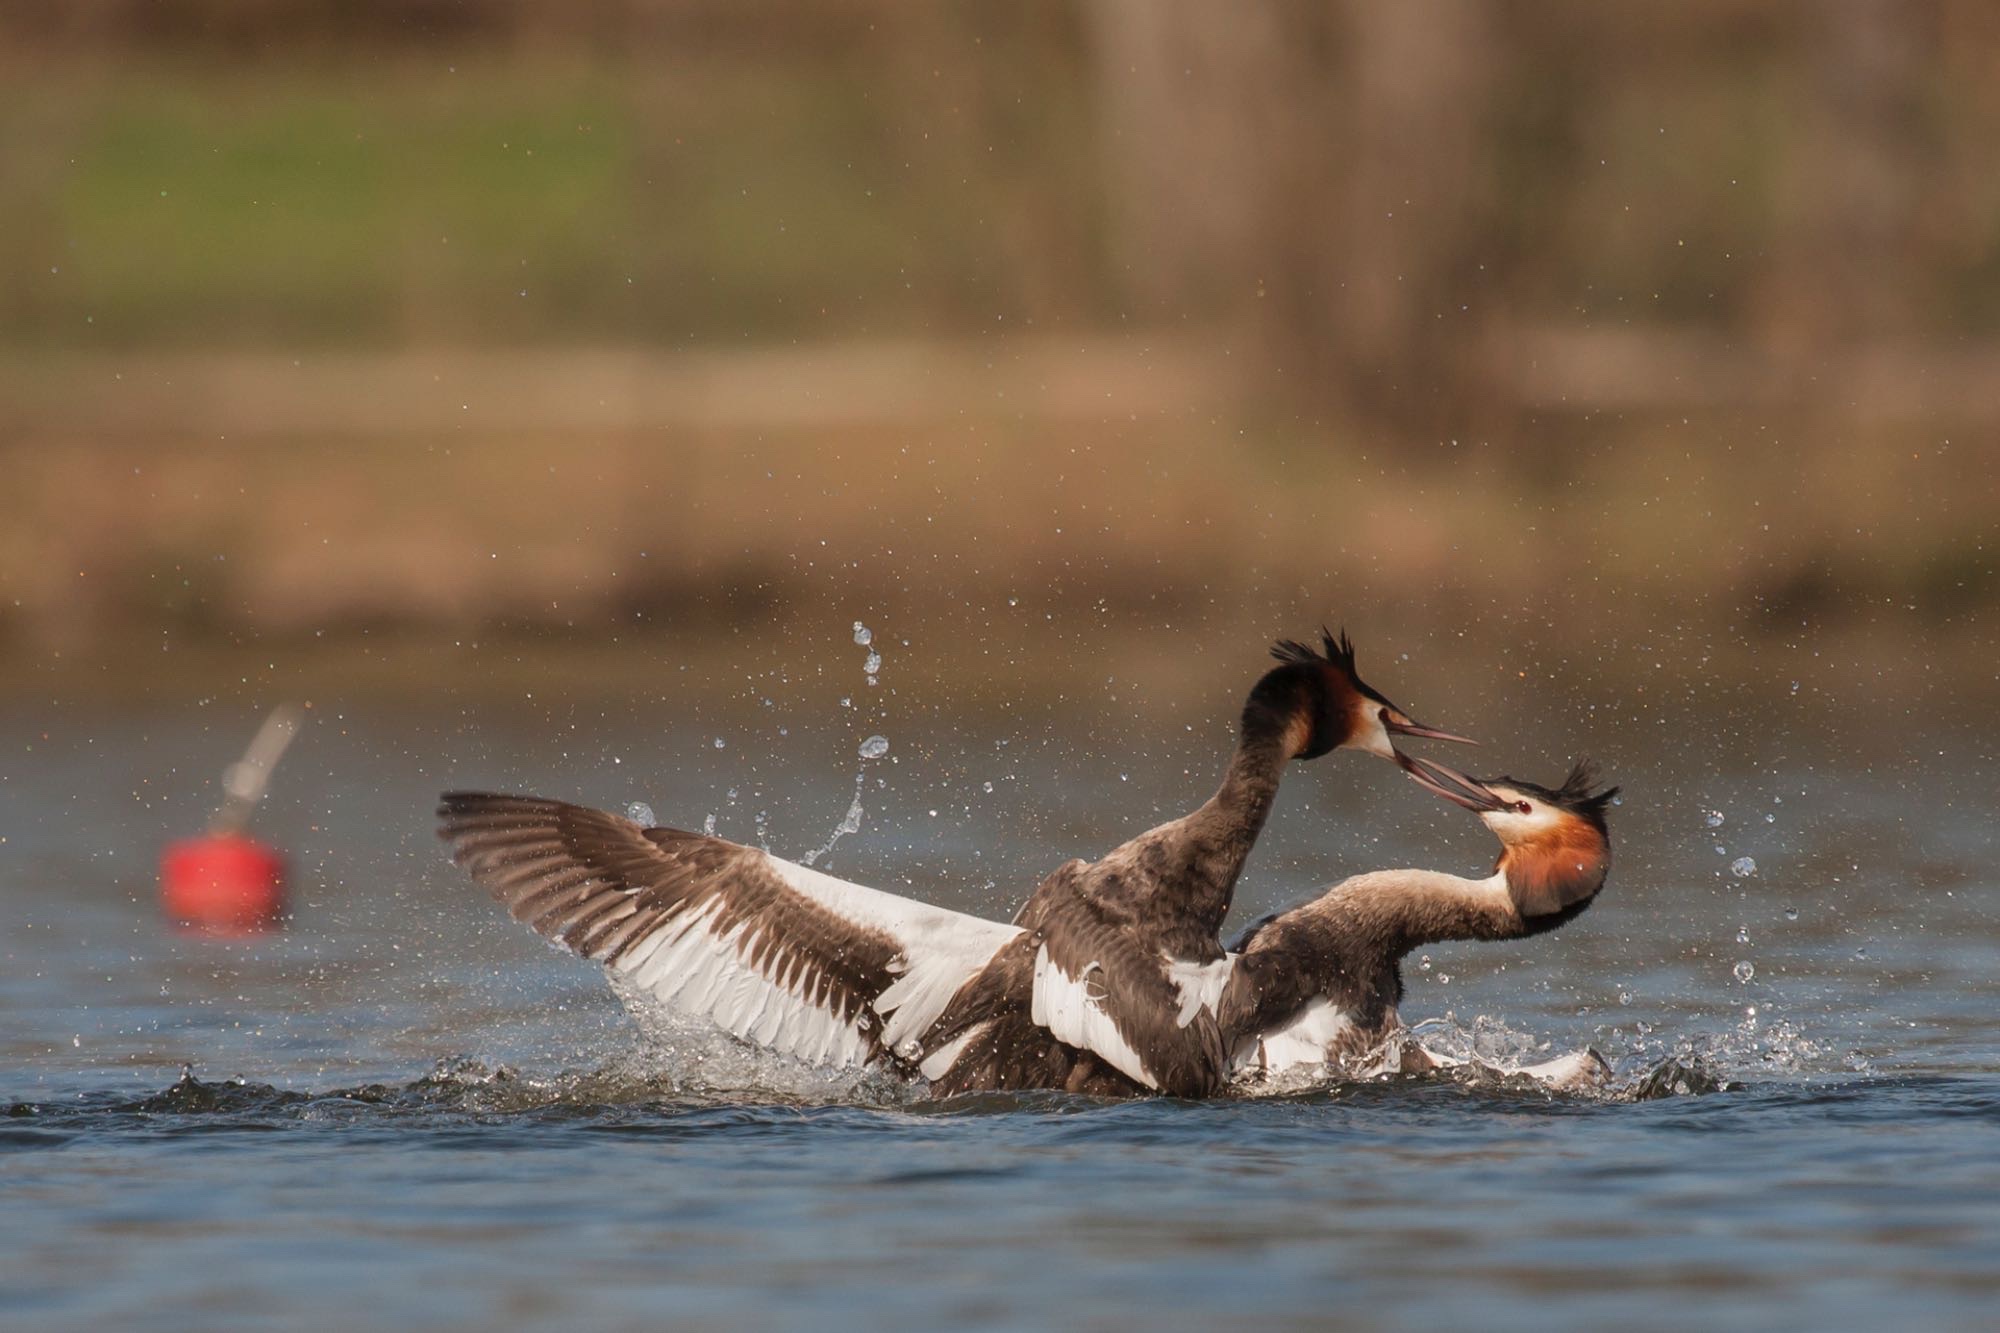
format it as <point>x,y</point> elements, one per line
<point>1303,1041</point>
<point>940,949</point>
<point>1072,1009</point>
<point>1199,984</point>
<point>691,968</point>
<point>939,1062</point>
<point>688,967</point>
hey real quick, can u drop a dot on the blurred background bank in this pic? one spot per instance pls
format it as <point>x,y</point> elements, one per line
<point>464,344</point>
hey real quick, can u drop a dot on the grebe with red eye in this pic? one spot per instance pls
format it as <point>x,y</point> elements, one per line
<point>1113,964</point>
<point>1319,984</point>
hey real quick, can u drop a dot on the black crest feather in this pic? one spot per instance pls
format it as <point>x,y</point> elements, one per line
<point>1336,652</point>
<point>1575,794</point>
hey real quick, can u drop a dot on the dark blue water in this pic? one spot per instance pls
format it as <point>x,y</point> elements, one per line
<point>458,1203</point>
<point>404,1109</point>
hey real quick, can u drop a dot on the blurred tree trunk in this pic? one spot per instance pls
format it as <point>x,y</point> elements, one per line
<point>1396,314</point>
<point>1314,167</point>
<point>1854,180</point>
<point>1203,107</point>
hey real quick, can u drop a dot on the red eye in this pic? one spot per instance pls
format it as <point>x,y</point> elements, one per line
<point>1524,807</point>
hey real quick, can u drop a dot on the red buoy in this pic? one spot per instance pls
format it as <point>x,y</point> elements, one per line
<point>222,882</point>
<point>225,881</point>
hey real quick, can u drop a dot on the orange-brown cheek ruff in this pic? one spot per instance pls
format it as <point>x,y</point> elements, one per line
<point>1556,872</point>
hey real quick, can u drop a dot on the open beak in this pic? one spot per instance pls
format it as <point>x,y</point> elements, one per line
<point>1449,783</point>
<point>1400,723</point>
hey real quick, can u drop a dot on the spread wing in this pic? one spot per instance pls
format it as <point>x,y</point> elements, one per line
<point>773,952</point>
<point>1106,987</point>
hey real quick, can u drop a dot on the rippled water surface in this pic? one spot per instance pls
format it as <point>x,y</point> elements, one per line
<point>405,1108</point>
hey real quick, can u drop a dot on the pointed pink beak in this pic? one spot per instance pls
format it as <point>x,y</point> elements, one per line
<point>1449,783</point>
<point>1399,724</point>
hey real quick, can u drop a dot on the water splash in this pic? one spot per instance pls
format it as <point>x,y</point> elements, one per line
<point>849,822</point>
<point>872,748</point>
<point>694,1058</point>
<point>1639,1067</point>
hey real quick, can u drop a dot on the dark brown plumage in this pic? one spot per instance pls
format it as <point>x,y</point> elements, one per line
<point>1346,946</point>
<point>1158,901</point>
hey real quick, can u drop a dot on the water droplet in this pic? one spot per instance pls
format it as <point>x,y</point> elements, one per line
<point>708,826</point>
<point>874,747</point>
<point>873,663</point>
<point>1791,914</point>
<point>1618,800</point>
<point>986,786</point>
<point>1624,997</point>
<point>1713,819</point>
<point>1424,963</point>
<point>862,634</point>
<point>640,813</point>
<point>1743,934</point>
<point>1770,818</point>
<point>719,743</point>
<point>1444,978</point>
<point>1862,952</point>
<point>1720,850</point>
<point>1744,971</point>
<point>1743,867</point>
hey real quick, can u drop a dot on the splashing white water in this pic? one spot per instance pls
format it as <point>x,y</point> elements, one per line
<point>695,1057</point>
<point>872,748</point>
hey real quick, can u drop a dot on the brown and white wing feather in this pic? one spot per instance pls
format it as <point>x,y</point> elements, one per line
<point>1106,988</point>
<point>773,952</point>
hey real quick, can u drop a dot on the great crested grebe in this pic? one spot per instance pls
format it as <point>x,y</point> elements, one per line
<point>1112,963</point>
<point>1122,964</point>
<point>1318,984</point>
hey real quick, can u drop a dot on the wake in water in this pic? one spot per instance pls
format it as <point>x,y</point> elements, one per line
<point>696,1058</point>
<point>650,1082</point>
<point>675,1066</point>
